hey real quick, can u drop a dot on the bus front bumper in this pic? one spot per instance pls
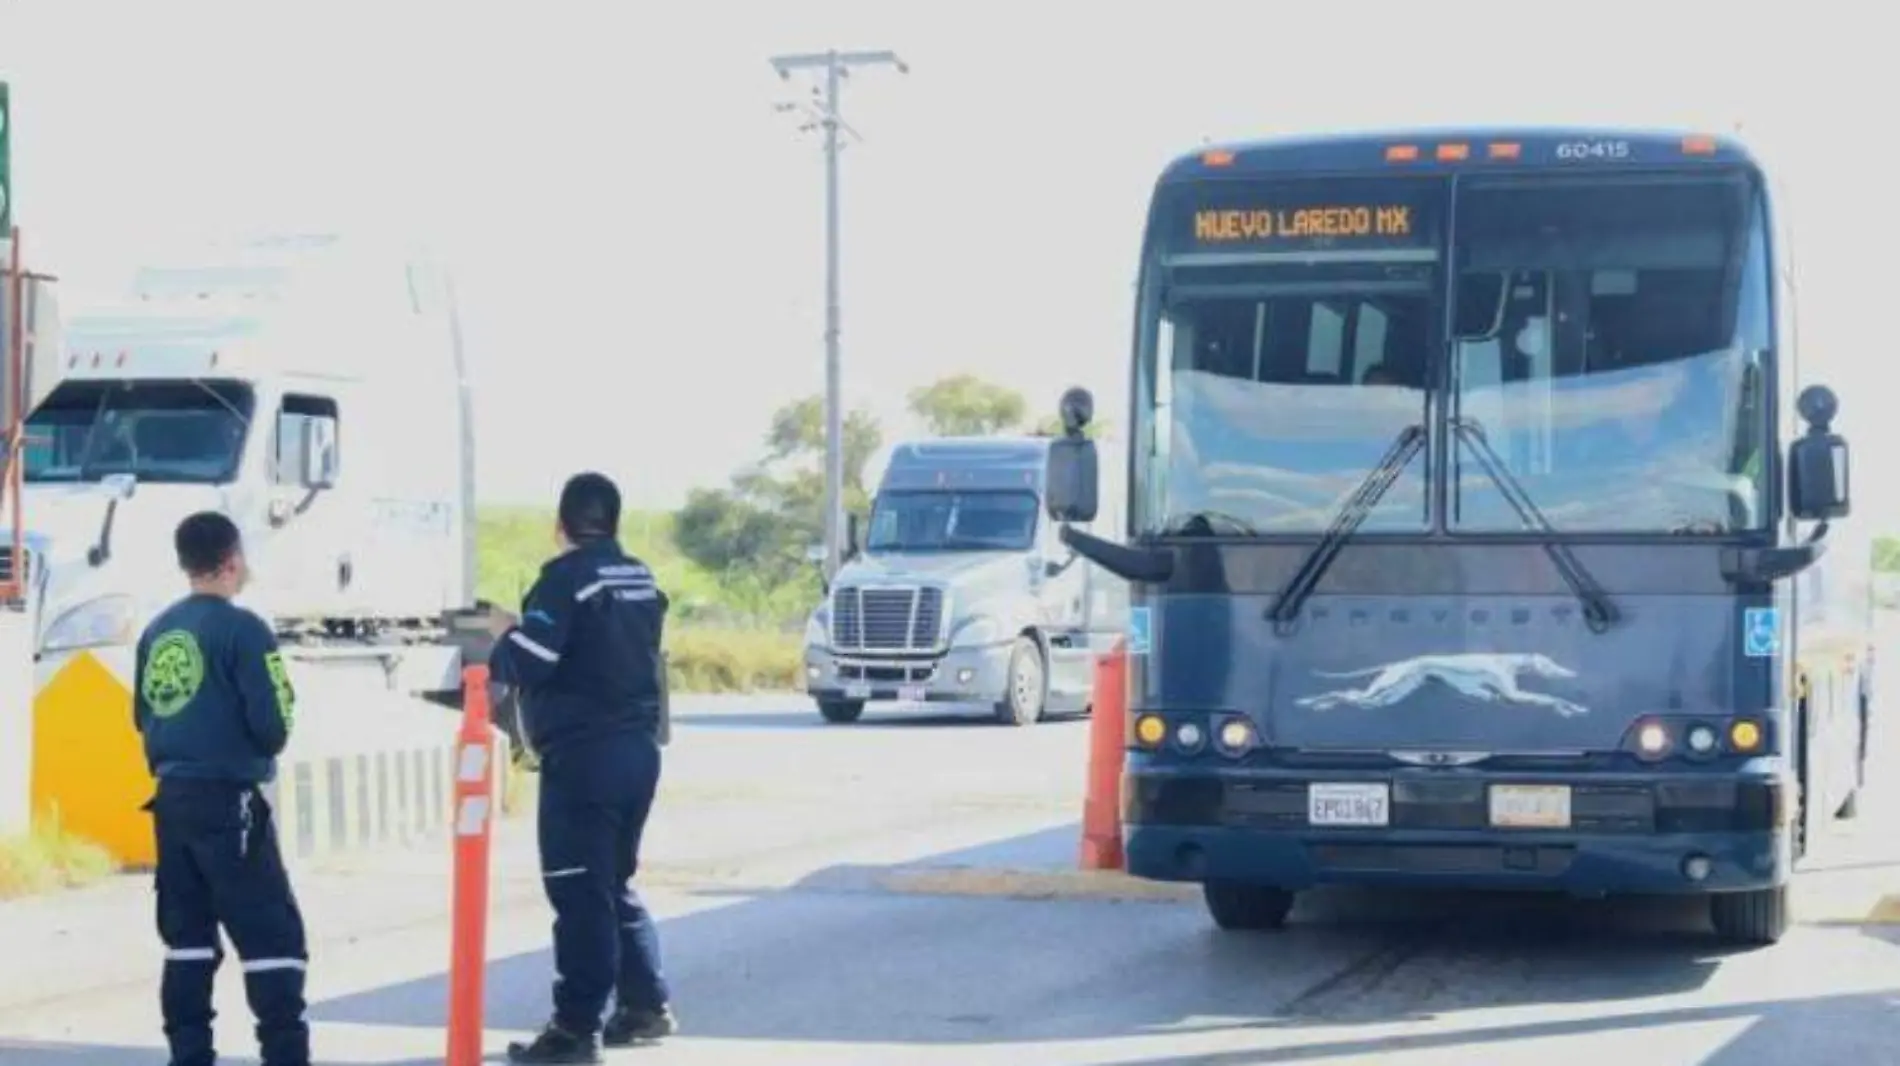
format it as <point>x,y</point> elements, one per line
<point>1641,834</point>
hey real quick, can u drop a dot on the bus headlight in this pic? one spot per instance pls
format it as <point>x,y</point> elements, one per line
<point>1150,730</point>
<point>1189,736</point>
<point>1236,736</point>
<point>1652,740</point>
<point>1701,739</point>
<point>98,623</point>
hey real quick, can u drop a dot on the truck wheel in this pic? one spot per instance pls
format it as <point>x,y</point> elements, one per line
<point>1756,917</point>
<point>1246,908</point>
<point>841,712</point>
<point>1028,684</point>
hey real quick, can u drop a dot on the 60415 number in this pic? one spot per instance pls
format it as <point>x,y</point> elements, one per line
<point>1584,150</point>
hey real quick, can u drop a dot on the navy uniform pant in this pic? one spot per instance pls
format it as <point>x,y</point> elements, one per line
<point>595,796</point>
<point>219,866</point>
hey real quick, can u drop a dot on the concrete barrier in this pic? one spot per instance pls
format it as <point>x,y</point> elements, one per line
<point>16,721</point>
<point>366,767</point>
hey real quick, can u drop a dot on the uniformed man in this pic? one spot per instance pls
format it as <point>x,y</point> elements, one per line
<point>585,655</point>
<point>215,708</point>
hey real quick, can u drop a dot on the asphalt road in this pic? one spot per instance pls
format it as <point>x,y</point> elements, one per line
<point>897,892</point>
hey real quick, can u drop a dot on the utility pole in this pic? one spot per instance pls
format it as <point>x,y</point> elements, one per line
<point>836,66</point>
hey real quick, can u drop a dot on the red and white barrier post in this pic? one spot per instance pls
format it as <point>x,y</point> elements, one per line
<point>474,821</point>
<point>1108,740</point>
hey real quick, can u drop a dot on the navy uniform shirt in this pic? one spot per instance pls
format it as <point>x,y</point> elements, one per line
<point>586,653</point>
<point>210,693</point>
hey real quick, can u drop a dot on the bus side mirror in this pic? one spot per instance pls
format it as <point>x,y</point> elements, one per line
<point>1817,460</point>
<point>1071,477</point>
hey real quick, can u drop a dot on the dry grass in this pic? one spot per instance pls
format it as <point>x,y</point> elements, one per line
<point>709,651</point>
<point>48,858</point>
<point>517,791</point>
<point>734,660</point>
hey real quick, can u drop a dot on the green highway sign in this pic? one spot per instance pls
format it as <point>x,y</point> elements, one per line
<point>6,163</point>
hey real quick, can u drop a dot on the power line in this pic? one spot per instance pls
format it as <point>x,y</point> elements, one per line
<point>822,113</point>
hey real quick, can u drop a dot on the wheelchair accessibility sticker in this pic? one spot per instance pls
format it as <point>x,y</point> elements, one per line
<point>1140,630</point>
<point>1761,632</point>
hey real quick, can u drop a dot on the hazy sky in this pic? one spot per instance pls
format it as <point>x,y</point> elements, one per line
<point>639,235</point>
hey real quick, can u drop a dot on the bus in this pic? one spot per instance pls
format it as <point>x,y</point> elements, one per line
<point>1485,527</point>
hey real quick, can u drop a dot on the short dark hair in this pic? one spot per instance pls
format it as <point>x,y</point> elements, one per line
<point>205,542</point>
<point>590,507</point>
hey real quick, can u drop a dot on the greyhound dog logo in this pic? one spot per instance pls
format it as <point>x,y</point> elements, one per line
<point>1488,678</point>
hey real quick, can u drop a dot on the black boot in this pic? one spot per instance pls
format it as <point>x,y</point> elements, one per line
<point>555,1046</point>
<point>627,1027</point>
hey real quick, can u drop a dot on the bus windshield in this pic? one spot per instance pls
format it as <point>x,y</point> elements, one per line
<point>1611,337</point>
<point>1286,343</point>
<point>953,521</point>
<point>173,431</point>
<point>1606,359</point>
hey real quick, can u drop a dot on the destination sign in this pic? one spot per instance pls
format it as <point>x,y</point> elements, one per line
<point>1216,225</point>
<point>1305,216</point>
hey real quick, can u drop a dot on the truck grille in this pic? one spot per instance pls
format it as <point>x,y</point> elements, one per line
<point>13,579</point>
<point>887,618</point>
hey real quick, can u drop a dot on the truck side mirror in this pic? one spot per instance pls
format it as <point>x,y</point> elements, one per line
<point>1817,460</point>
<point>815,555</point>
<point>850,535</point>
<point>319,453</point>
<point>1071,479</point>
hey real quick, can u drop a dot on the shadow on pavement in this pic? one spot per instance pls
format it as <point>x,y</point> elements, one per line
<point>814,963</point>
<point>825,962</point>
<point>1784,1031</point>
<point>46,1053</point>
<point>874,718</point>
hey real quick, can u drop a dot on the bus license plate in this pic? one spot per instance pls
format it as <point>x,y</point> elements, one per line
<point>1348,804</point>
<point>912,693</point>
<point>1530,806</point>
<point>857,692</point>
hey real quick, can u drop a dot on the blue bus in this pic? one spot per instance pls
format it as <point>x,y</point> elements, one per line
<point>1485,527</point>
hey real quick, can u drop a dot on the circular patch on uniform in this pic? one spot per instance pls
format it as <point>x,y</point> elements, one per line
<point>174,670</point>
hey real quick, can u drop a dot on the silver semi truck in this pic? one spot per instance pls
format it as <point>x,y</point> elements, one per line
<point>961,591</point>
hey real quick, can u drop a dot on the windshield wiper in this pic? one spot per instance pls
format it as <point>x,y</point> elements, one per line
<point>1352,514</point>
<point>1598,612</point>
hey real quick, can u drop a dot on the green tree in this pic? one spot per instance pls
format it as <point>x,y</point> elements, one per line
<point>1887,553</point>
<point>723,530</point>
<point>965,405</point>
<point>1050,425</point>
<point>756,531</point>
<point>798,432</point>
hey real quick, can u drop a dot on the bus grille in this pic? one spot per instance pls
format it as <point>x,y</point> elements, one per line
<point>887,618</point>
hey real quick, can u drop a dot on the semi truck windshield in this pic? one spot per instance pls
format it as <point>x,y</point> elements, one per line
<point>182,431</point>
<point>953,521</point>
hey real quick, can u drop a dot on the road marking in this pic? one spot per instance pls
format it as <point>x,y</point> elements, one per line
<point>1886,912</point>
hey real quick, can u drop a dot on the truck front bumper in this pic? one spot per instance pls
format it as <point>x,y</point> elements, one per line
<point>960,675</point>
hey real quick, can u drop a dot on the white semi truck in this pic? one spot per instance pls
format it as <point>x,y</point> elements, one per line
<point>963,591</point>
<point>313,389</point>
